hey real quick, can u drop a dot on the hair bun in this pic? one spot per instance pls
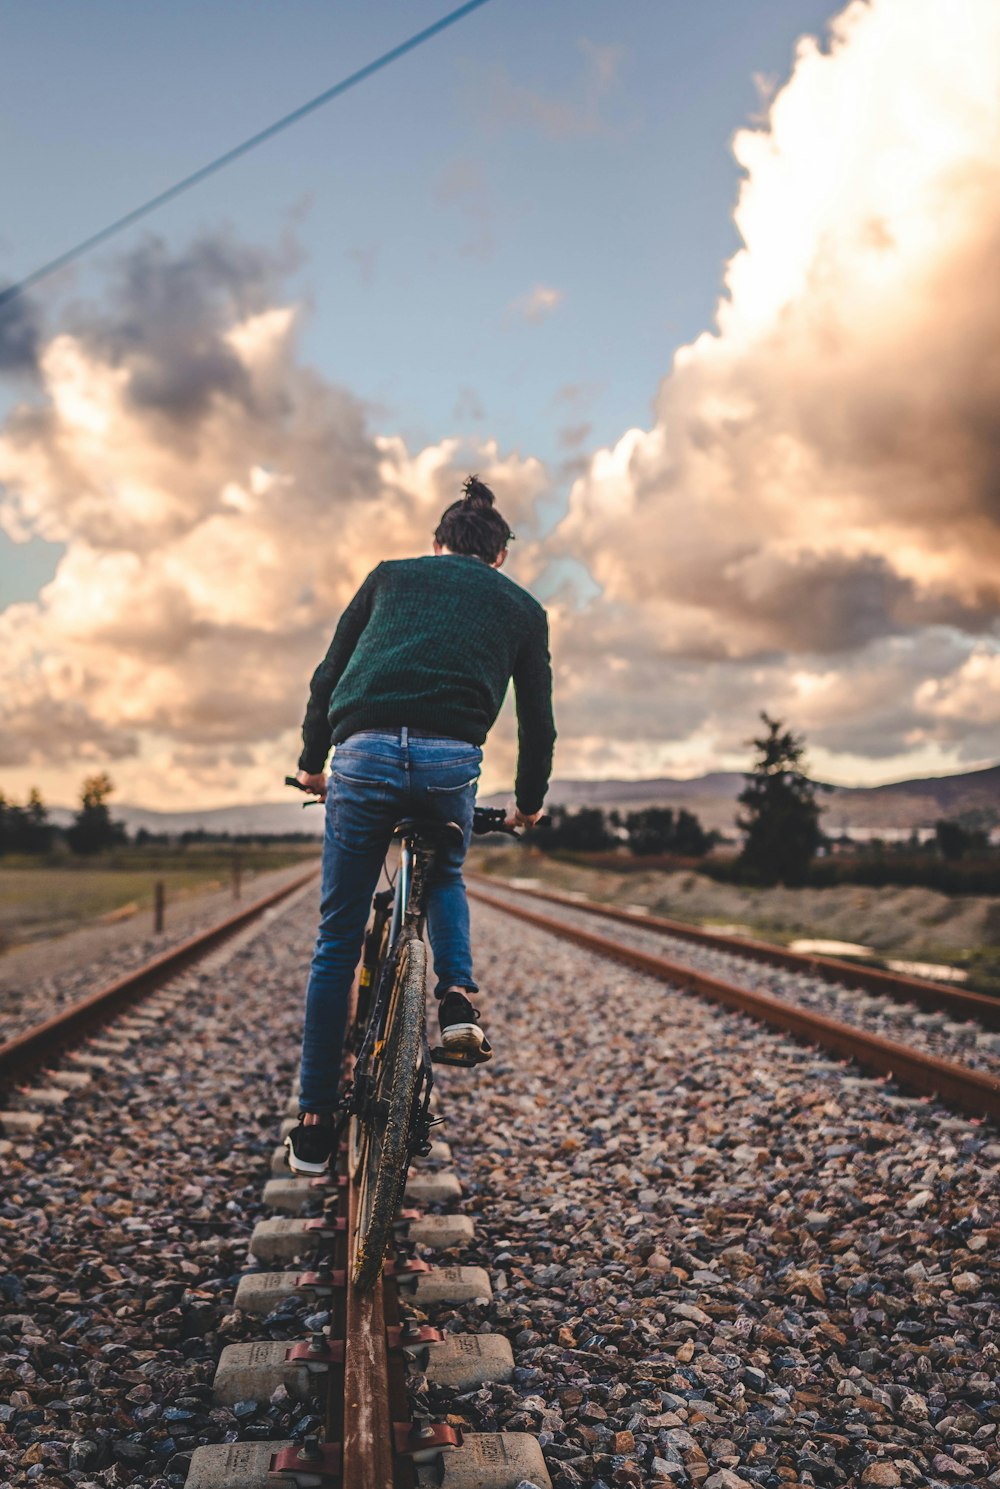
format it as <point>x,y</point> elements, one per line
<point>477,493</point>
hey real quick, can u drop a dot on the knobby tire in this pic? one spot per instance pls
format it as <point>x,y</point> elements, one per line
<point>386,1138</point>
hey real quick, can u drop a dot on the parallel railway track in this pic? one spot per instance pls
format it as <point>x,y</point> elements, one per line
<point>26,1052</point>
<point>955,1084</point>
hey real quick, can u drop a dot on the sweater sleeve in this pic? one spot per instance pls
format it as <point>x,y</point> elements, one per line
<point>536,730</point>
<point>316,725</point>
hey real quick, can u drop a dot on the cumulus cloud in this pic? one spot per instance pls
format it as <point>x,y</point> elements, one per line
<point>818,494</point>
<point>219,503</point>
<point>811,523</point>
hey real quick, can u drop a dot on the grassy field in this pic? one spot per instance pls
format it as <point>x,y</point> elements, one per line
<point>39,898</point>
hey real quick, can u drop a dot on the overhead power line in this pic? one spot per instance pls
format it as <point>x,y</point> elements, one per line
<point>13,290</point>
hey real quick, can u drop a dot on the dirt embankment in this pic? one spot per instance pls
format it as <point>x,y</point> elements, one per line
<point>915,923</point>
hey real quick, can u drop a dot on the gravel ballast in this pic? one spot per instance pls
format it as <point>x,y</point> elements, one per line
<point>41,979</point>
<point>962,1040</point>
<point>723,1259</point>
<point>720,1258</point>
<point>124,1226</point>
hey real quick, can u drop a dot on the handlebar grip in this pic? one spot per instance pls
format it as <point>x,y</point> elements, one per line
<point>291,781</point>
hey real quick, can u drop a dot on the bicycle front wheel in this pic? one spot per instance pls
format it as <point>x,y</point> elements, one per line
<point>385,1135</point>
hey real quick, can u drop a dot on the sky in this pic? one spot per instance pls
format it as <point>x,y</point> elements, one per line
<point>708,293</point>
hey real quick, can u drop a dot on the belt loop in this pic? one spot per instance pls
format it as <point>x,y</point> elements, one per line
<point>403,737</point>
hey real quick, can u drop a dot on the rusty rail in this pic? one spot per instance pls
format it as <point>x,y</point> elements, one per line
<point>956,1085</point>
<point>896,985</point>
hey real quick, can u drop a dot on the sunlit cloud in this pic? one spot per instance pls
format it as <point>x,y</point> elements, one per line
<point>817,494</point>
<point>219,503</point>
<point>810,523</point>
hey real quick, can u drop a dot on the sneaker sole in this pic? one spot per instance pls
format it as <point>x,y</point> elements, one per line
<point>463,1037</point>
<point>299,1165</point>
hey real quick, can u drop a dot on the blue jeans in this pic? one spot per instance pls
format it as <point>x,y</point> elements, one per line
<point>377,777</point>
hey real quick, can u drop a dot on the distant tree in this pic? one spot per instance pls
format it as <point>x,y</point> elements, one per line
<point>781,817</point>
<point>25,829</point>
<point>692,839</point>
<point>657,830</point>
<point>953,840</point>
<point>38,830</point>
<point>652,830</point>
<point>93,828</point>
<point>583,831</point>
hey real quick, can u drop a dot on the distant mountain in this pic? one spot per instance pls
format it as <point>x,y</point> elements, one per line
<point>919,803</point>
<point>897,808</point>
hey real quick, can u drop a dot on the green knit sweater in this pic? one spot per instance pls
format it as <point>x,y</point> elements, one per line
<point>432,643</point>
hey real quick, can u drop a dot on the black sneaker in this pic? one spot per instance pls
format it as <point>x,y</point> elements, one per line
<point>308,1149</point>
<point>460,1030</point>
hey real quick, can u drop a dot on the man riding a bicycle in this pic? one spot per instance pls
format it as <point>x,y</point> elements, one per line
<point>409,688</point>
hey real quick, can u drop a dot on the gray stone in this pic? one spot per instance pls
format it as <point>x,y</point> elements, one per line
<point>292,1196</point>
<point>259,1292</point>
<point>447,1285</point>
<point>439,1232</point>
<point>463,1362</point>
<point>283,1240</point>
<point>492,1460</point>
<point>91,1062</point>
<point>433,1189</point>
<point>73,1080</point>
<point>279,1161</point>
<point>236,1465</point>
<point>20,1124</point>
<point>440,1153</point>
<point>47,1096</point>
<point>253,1372</point>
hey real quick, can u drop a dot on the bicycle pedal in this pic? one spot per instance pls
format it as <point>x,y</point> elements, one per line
<point>466,1058</point>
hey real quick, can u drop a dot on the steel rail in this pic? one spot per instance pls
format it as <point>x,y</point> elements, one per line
<point>956,1085</point>
<point>37,1046</point>
<point>367,1443</point>
<point>896,985</point>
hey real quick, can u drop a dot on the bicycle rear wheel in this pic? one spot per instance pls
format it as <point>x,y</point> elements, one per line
<point>385,1135</point>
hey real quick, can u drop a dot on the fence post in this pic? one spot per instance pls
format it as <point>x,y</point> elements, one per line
<point>159,903</point>
<point>237,873</point>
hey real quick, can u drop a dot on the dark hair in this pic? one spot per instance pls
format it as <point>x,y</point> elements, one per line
<point>473,525</point>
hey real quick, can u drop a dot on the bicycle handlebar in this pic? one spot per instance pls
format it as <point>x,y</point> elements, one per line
<point>484,819</point>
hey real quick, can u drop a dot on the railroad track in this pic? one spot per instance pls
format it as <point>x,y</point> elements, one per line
<point>361,1359</point>
<point>954,1083</point>
<point>355,1365</point>
<point>596,1206</point>
<point>903,989</point>
<point>46,1042</point>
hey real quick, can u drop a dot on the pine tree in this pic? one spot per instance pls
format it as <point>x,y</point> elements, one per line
<point>92,827</point>
<point>781,820</point>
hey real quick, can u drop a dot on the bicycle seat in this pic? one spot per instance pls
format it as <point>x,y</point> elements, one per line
<point>431,829</point>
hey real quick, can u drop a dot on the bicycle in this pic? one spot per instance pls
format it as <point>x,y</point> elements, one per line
<point>387,1105</point>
